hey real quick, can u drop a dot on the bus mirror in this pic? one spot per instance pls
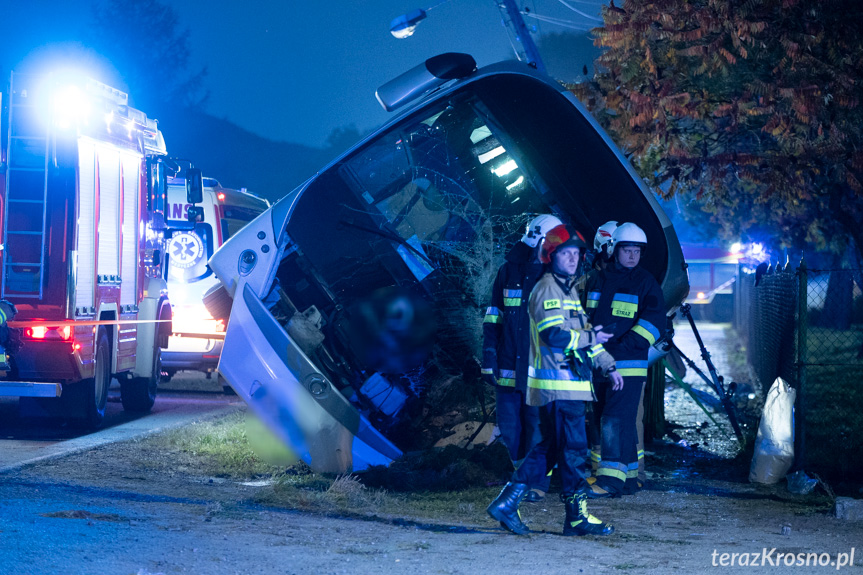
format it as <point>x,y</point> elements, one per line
<point>196,214</point>
<point>194,186</point>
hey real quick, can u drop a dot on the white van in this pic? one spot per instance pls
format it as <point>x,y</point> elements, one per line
<point>196,341</point>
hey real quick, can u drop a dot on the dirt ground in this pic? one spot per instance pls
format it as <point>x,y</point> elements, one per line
<point>126,509</point>
<point>132,508</point>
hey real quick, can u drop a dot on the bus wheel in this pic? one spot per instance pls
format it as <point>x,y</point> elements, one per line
<point>139,393</point>
<point>96,388</point>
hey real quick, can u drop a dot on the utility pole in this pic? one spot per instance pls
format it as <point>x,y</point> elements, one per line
<point>512,16</point>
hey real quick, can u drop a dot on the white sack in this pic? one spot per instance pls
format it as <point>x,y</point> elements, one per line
<point>774,444</point>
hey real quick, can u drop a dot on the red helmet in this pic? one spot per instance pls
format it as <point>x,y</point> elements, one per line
<point>560,237</point>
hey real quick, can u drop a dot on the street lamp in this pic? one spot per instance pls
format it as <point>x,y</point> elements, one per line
<point>404,26</point>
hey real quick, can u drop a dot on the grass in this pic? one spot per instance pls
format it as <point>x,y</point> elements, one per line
<point>232,447</point>
<point>222,447</point>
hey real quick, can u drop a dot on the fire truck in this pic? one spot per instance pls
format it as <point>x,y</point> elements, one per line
<point>83,178</point>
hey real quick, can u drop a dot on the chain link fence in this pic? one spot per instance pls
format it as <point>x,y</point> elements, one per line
<point>806,326</point>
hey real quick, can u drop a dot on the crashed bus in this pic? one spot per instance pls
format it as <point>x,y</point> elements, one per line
<point>358,298</point>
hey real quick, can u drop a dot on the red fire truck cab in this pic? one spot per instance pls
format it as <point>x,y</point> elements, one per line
<point>83,179</point>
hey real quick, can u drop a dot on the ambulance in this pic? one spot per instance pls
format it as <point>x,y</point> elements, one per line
<point>196,341</point>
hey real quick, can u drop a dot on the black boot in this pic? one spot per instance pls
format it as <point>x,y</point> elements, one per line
<point>579,522</point>
<point>505,508</point>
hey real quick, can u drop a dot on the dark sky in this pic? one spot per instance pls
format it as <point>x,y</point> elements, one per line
<point>291,70</point>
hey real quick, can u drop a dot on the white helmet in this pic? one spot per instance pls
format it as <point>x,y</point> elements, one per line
<point>538,227</point>
<point>602,240</point>
<point>629,233</point>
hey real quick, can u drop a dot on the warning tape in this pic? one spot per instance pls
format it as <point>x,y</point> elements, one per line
<point>64,323</point>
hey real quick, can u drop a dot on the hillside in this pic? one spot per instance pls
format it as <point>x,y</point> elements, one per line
<point>237,157</point>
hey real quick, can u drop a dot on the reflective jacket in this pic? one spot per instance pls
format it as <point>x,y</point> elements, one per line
<point>506,326</point>
<point>631,299</point>
<point>559,325</point>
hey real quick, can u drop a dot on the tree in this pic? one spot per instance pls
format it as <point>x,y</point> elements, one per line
<point>751,106</point>
<point>144,39</point>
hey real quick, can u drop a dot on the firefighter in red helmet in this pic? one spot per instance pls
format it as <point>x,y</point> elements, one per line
<point>564,348</point>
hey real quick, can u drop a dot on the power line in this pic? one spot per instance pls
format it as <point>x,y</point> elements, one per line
<point>559,22</point>
<point>579,12</point>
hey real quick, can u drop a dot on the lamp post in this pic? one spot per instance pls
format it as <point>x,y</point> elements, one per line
<point>522,34</point>
<point>404,26</point>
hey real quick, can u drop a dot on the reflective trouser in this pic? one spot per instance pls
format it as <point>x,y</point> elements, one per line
<point>639,427</point>
<point>564,443</point>
<point>519,426</point>
<point>594,434</point>
<point>618,467</point>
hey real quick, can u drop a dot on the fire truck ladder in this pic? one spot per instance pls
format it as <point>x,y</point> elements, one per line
<point>26,192</point>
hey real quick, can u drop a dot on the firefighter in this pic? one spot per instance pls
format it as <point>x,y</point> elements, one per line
<point>628,301</point>
<point>602,254</point>
<point>602,244</point>
<point>506,344</point>
<point>558,384</point>
<point>7,313</point>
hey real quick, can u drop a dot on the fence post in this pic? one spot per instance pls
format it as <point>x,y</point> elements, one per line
<point>802,327</point>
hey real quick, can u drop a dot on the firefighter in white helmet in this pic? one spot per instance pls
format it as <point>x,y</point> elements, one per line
<point>627,300</point>
<point>506,343</point>
<point>602,243</point>
<point>602,257</point>
<point>559,385</point>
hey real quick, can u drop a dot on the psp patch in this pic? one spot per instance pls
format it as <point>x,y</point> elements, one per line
<point>551,304</point>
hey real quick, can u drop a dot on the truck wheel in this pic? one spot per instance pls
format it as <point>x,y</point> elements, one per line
<point>96,388</point>
<point>139,393</point>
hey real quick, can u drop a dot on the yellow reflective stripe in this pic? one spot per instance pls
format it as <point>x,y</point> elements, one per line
<point>595,350</point>
<point>571,304</point>
<point>592,303</point>
<point>487,371</point>
<point>611,472</point>
<point>631,371</point>
<point>573,340</point>
<point>624,305</point>
<point>559,384</point>
<point>534,334</point>
<point>512,301</point>
<point>2,316</point>
<point>641,454</point>
<point>550,321</point>
<point>492,319</point>
<point>643,333</point>
<point>632,474</point>
<point>594,456</point>
<point>506,382</point>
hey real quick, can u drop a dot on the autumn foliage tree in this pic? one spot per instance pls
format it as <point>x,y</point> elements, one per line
<point>752,107</point>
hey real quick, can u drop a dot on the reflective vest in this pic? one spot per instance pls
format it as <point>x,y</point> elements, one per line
<point>559,325</point>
